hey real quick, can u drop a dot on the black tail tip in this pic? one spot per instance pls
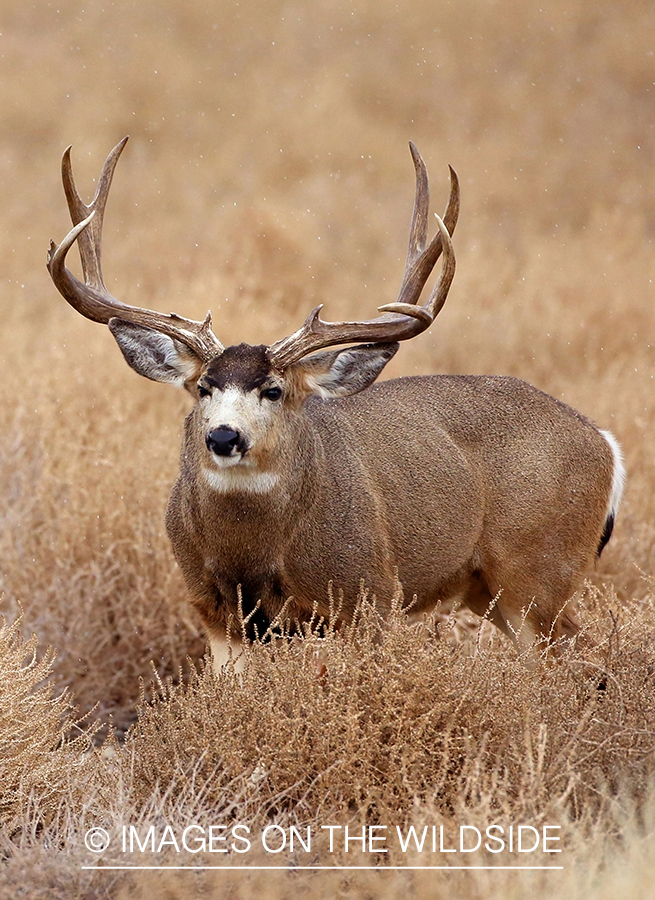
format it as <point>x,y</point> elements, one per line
<point>607,533</point>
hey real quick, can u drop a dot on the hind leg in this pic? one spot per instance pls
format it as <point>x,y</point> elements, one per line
<point>538,610</point>
<point>480,600</point>
<point>531,616</point>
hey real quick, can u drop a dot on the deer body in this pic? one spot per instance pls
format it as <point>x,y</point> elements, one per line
<point>297,470</point>
<point>358,495</point>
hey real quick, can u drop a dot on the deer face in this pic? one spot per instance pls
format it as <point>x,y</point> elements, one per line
<point>248,411</point>
<point>246,405</point>
<point>240,400</point>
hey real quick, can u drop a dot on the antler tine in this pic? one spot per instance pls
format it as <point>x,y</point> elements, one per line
<point>91,298</point>
<point>418,231</point>
<point>420,262</point>
<point>404,319</point>
<point>90,239</point>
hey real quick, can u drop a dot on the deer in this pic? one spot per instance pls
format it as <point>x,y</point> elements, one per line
<point>300,473</point>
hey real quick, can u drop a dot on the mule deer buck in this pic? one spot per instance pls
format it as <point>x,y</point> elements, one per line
<point>296,470</point>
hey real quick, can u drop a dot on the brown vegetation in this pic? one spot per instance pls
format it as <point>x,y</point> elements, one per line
<point>268,171</point>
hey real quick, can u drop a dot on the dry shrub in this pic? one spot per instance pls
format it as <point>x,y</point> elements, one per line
<point>43,770</point>
<point>406,726</point>
<point>403,716</point>
<point>94,580</point>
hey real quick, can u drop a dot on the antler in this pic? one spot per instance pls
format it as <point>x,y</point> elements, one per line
<point>405,318</point>
<point>92,299</point>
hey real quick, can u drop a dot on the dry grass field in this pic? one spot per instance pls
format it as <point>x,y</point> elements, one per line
<point>268,171</point>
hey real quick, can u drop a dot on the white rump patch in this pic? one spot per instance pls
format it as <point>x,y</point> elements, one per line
<point>618,478</point>
<point>232,479</point>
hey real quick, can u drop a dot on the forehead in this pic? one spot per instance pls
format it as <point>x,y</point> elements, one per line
<point>240,366</point>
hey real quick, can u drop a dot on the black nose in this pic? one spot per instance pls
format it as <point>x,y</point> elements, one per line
<point>222,440</point>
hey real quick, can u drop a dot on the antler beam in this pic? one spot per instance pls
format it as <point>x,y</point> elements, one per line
<point>405,318</point>
<point>91,298</point>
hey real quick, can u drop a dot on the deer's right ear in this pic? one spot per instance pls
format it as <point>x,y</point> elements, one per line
<point>155,355</point>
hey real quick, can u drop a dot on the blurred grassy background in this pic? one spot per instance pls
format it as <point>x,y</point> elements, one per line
<point>268,171</point>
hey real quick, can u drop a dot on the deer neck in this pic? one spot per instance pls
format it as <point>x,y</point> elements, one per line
<point>254,505</point>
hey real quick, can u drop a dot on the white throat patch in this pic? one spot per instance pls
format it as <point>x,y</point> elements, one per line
<point>240,478</point>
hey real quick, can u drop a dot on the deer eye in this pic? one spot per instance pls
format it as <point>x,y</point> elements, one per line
<point>203,391</point>
<point>273,393</point>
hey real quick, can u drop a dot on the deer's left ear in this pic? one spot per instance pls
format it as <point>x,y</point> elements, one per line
<point>340,373</point>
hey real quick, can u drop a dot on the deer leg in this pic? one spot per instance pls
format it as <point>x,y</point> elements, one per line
<point>540,615</point>
<point>221,645</point>
<point>480,600</point>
